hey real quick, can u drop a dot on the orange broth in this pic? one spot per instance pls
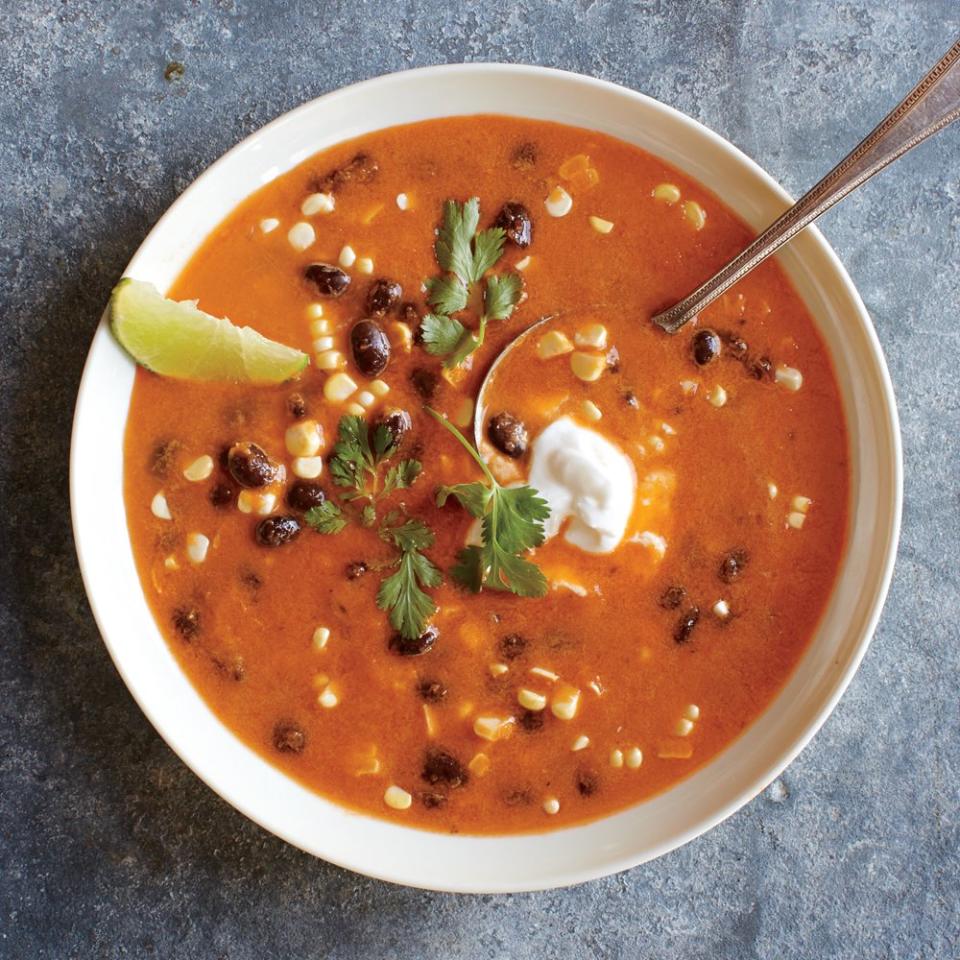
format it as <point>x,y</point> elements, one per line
<point>717,479</point>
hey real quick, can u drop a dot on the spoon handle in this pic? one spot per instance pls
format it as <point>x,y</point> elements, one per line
<point>930,106</point>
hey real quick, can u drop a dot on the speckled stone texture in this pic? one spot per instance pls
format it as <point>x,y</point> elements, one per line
<point>109,846</point>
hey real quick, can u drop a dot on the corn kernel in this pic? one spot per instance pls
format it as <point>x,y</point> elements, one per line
<point>796,520</point>
<point>328,698</point>
<point>304,439</point>
<point>789,377</point>
<point>366,399</point>
<point>546,674</point>
<point>551,805</point>
<point>531,700</point>
<point>403,201</point>
<point>721,609</point>
<point>523,263</point>
<point>695,214</point>
<point>197,547</point>
<point>320,327</point>
<point>565,702</point>
<point>400,336</point>
<point>249,501</point>
<point>667,192</point>
<point>355,410</point>
<point>348,256</point>
<point>497,669</point>
<point>558,202</point>
<point>321,637</point>
<point>330,360</point>
<point>159,507</point>
<point>307,468</point>
<point>683,727</point>
<point>593,335</point>
<point>591,411</point>
<point>600,225</point>
<point>553,344</point>
<point>315,312</point>
<point>170,563</point>
<point>493,728</point>
<point>365,265</point>
<point>322,344</point>
<point>616,758</point>
<point>633,758</point>
<point>301,235</point>
<point>587,366</point>
<point>717,396</point>
<point>772,490</point>
<point>581,743</point>
<point>801,504</point>
<point>689,387</point>
<point>691,711</point>
<point>318,203</point>
<point>338,387</point>
<point>269,224</point>
<point>200,469</point>
<point>379,388</point>
<point>479,765</point>
<point>397,798</point>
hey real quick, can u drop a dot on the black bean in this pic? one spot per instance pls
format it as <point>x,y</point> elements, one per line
<point>297,406</point>
<point>532,720</point>
<point>672,597</point>
<point>356,570</point>
<point>433,691</point>
<point>586,782</point>
<point>398,422</point>
<point>371,348</point>
<point>277,530</point>
<point>304,495</point>
<point>524,156</point>
<point>362,168</point>
<point>512,646</point>
<point>736,346</point>
<point>441,766</point>
<point>733,564</point>
<point>187,622</point>
<point>686,624</point>
<point>232,669</point>
<point>249,465</point>
<point>517,797</point>
<point>514,220</point>
<point>383,296</point>
<point>289,737</point>
<point>163,457</point>
<point>630,399</point>
<point>761,368</point>
<point>706,347</point>
<point>406,647</point>
<point>221,495</point>
<point>425,382</point>
<point>508,434</point>
<point>329,280</point>
<point>432,800</point>
<point>410,315</point>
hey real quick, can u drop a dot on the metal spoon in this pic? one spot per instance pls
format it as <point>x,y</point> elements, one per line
<point>929,107</point>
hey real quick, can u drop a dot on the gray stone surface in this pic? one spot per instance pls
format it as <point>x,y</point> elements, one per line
<point>109,846</point>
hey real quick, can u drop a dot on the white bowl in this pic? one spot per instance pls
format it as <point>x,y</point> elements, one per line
<point>491,864</point>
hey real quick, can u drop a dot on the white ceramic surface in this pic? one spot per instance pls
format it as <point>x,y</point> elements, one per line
<point>462,863</point>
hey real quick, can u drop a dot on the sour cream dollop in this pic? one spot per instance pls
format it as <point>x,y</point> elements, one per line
<point>586,478</point>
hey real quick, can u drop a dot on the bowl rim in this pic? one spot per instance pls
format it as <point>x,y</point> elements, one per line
<point>747,790</point>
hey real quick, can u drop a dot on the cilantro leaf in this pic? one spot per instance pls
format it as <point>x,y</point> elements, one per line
<point>401,475</point>
<point>441,334</point>
<point>469,342</point>
<point>501,295</point>
<point>511,524</point>
<point>453,246</point>
<point>402,592</point>
<point>326,518</point>
<point>352,458</point>
<point>487,250</point>
<point>447,294</point>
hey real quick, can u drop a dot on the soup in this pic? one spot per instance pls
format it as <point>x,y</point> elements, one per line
<point>664,516</point>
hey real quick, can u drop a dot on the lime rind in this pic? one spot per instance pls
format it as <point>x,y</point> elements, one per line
<point>177,339</point>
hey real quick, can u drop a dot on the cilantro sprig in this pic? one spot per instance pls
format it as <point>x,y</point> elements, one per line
<point>402,592</point>
<point>511,524</point>
<point>466,255</point>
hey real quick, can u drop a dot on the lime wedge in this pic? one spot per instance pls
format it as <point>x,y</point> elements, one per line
<point>176,339</point>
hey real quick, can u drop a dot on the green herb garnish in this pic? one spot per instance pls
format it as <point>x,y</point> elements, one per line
<point>327,518</point>
<point>358,456</point>
<point>466,256</point>
<point>512,523</point>
<point>401,593</point>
